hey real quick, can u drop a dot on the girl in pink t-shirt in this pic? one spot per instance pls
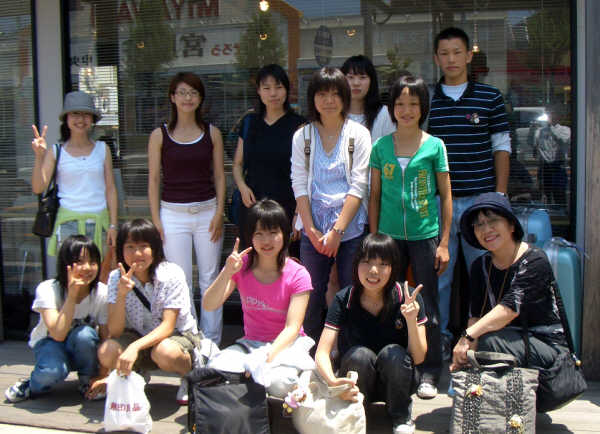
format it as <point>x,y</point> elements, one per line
<point>274,288</point>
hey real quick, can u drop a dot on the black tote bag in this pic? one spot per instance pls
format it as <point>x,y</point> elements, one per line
<point>226,403</point>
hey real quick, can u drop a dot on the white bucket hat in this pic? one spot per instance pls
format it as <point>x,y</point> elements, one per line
<point>79,101</point>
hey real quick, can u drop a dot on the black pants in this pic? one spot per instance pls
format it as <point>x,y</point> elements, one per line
<point>421,256</point>
<point>510,341</point>
<point>386,376</point>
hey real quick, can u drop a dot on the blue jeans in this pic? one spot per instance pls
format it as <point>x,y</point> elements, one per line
<point>319,267</point>
<point>459,205</point>
<point>54,360</point>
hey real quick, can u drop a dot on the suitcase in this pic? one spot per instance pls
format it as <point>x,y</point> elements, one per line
<point>565,258</point>
<point>536,225</point>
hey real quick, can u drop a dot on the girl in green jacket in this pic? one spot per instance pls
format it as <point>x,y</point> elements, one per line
<point>408,169</point>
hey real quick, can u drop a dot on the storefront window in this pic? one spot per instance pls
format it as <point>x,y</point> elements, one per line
<point>125,51</point>
<point>21,259</point>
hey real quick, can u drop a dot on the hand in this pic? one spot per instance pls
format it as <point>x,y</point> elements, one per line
<point>315,236</point>
<point>348,395</point>
<point>247,196</point>
<point>234,261</point>
<point>75,285</point>
<point>331,243</point>
<point>126,283</point>
<point>97,386</point>
<point>111,237</point>
<point>38,144</point>
<point>295,233</point>
<point>442,257</point>
<point>410,307</point>
<point>459,354</point>
<point>126,360</point>
<point>216,227</point>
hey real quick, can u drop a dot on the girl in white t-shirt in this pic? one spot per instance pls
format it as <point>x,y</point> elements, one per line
<point>365,104</point>
<point>274,290</point>
<point>72,322</point>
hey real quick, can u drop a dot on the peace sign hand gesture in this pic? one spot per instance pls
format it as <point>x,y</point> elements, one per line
<point>38,144</point>
<point>410,307</point>
<point>74,284</point>
<point>126,283</point>
<point>235,260</point>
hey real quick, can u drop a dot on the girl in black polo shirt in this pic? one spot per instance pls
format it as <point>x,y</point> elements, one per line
<point>380,333</point>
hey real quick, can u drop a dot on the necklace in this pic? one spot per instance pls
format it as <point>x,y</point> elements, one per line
<point>489,283</point>
<point>335,135</point>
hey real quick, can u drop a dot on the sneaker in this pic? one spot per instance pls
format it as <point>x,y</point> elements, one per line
<point>20,391</point>
<point>427,391</point>
<point>182,392</point>
<point>407,427</point>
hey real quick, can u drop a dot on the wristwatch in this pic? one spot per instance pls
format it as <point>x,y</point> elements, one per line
<point>502,194</point>
<point>338,231</point>
<point>466,335</point>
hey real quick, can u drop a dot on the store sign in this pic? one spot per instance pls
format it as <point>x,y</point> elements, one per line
<point>323,46</point>
<point>219,46</point>
<point>173,9</point>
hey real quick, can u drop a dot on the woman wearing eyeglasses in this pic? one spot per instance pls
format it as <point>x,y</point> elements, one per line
<point>512,285</point>
<point>189,212</point>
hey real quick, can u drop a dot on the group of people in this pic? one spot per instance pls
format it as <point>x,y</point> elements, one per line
<point>314,187</point>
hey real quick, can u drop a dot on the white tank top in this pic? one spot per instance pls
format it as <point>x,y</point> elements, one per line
<point>80,180</point>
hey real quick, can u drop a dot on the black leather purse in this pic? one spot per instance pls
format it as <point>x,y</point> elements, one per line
<point>48,204</point>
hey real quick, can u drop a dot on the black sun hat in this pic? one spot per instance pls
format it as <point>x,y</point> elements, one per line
<point>494,202</point>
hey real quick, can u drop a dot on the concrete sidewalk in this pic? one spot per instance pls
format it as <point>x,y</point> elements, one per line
<point>64,410</point>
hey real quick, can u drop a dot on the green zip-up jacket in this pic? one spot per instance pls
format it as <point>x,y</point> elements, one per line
<point>408,206</point>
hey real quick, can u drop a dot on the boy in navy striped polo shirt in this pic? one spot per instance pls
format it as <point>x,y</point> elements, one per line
<point>470,118</point>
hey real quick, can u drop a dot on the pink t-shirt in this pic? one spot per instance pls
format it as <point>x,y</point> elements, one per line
<point>265,307</point>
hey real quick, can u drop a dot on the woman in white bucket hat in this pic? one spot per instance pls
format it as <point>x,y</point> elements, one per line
<point>84,175</point>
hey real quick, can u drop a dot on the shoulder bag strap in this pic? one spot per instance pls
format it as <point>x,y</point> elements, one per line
<point>142,298</point>
<point>245,130</point>
<point>307,145</point>
<point>563,315</point>
<point>52,182</point>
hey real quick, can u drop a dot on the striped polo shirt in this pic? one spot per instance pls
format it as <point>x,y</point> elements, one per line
<point>466,126</point>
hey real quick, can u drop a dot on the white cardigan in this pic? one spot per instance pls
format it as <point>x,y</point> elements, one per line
<point>358,178</point>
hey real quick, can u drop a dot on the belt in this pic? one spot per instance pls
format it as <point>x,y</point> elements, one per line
<point>190,209</point>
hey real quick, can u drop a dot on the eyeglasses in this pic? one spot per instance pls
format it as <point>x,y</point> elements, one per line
<point>186,93</point>
<point>492,223</point>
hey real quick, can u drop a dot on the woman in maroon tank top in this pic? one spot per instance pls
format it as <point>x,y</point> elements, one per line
<point>189,211</point>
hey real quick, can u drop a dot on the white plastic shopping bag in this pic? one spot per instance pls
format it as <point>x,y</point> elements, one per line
<point>126,408</point>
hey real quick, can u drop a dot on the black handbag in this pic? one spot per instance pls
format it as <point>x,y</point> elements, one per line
<point>226,403</point>
<point>48,204</point>
<point>562,382</point>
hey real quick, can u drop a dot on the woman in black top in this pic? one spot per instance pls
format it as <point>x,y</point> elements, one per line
<point>261,165</point>
<point>513,284</point>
